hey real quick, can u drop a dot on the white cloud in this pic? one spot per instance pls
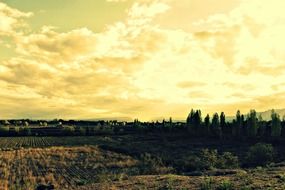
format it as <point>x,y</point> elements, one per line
<point>133,67</point>
<point>11,19</point>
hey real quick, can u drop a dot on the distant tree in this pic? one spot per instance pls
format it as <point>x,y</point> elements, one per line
<point>194,121</point>
<point>243,126</point>
<point>163,123</point>
<point>223,123</point>
<point>275,124</point>
<point>190,118</point>
<point>207,125</point>
<point>237,125</point>
<point>197,121</point>
<point>215,126</point>
<point>170,123</point>
<point>252,126</point>
<point>261,126</point>
<point>136,123</point>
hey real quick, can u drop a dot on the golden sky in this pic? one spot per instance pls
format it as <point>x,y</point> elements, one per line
<point>146,59</point>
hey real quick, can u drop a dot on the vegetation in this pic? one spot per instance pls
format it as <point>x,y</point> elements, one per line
<point>242,127</point>
<point>70,162</point>
<point>201,153</point>
<point>260,154</point>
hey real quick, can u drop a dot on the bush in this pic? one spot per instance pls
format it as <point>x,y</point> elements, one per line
<point>228,161</point>
<point>260,154</point>
<point>225,185</point>
<point>207,184</point>
<point>152,165</point>
<point>209,159</point>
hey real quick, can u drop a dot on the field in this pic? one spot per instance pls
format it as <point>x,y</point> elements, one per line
<point>132,162</point>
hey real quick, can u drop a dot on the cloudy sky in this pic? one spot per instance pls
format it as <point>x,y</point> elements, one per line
<point>147,59</point>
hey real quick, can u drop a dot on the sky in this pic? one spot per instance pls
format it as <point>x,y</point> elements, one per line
<point>146,59</point>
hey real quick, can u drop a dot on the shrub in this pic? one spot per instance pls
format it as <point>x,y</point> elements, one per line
<point>209,159</point>
<point>152,165</point>
<point>207,184</point>
<point>189,163</point>
<point>228,161</point>
<point>260,154</point>
<point>225,185</point>
<point>169,184</point>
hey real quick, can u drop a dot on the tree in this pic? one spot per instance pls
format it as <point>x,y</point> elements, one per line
<point>275,124</point>
<point>252,126</point>
<point>215,126</point>
<point>163,123</point>
<point>197,121</point>
<point>223,123</point>
<point>261,126</point>
<point>190,118</point>
<point>194,121</point>
<point>237,125</point>
<point>170,123</point>
<point>207,124</point>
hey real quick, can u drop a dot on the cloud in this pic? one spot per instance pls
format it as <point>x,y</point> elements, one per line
<point>56,47</point>
<point>62,70</point>
<point>11,19</point>
<point>190,84</point>
<point>142,67</point>
<point>246,34</point>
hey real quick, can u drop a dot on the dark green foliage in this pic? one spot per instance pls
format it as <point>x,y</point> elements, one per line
<point>228,161</point>
<point>215,126</point>
<point>152,165</point>
<point>223,122</point>
<point>261,126</point>
<point>275,124</point>
<point>209,159</point>
<point>207,125</point>
<point>260,154</point>
<point>237,125</point>
<point>194,122</point>
<point>225,185</point>
<point>252,126</point>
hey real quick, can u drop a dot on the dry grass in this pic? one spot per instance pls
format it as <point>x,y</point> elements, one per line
<point>65,168</point>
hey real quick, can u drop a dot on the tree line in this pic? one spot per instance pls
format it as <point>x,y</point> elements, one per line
<point>250,125</point>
